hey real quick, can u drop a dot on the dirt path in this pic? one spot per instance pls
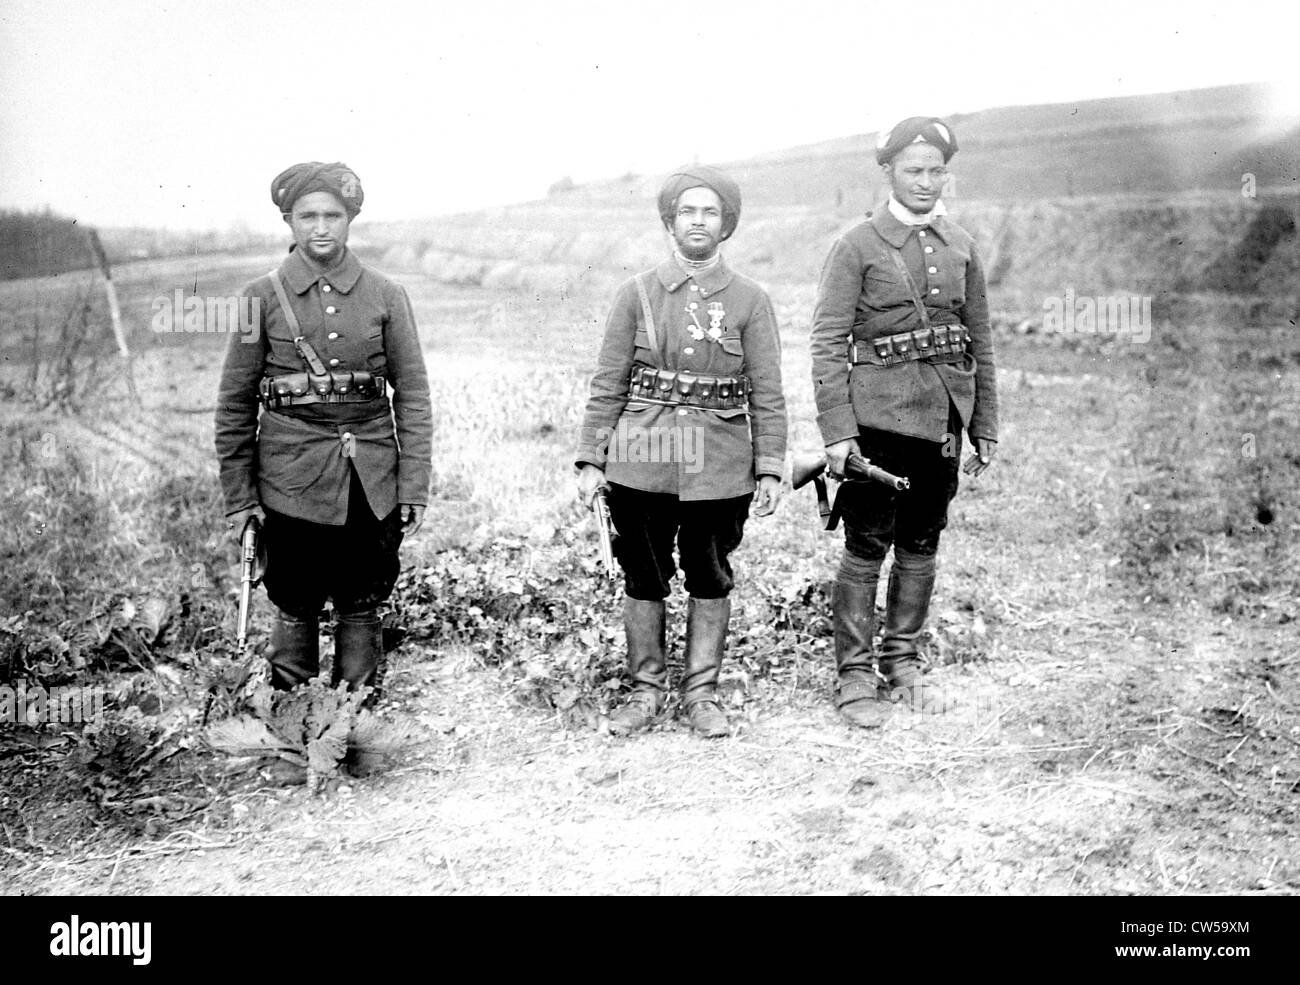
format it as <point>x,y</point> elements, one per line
<point>1006,794</point>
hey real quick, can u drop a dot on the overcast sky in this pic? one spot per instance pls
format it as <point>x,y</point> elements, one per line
<point>181,113</point>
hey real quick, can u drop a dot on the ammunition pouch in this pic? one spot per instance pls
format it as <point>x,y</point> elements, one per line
<point>938,344</point>
<point>666,386</point>
<point>338,386</point>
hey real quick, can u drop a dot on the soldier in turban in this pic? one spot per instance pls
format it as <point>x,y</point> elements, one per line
<point>324,427</point>
<point>902,361</point>
<point>685,427</point>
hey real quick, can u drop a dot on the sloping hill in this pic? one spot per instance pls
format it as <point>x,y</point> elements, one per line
<point>1142,194</point>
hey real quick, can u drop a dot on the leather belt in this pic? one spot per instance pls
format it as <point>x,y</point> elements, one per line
<point>941,343</point>
<point>666,386</point>
<point>333,387</point>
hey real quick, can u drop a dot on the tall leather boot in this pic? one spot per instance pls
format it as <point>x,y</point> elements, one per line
<point>358,651</point>
<point>294,650</point>
<point>853,612</point>
<point>643,621</point>
<point>910,585</point>
<point>706,635</point>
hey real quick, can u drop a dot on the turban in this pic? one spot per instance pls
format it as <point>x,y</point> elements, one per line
<point>702,176</point>
<point>303,179</point>
<point>914,130</point>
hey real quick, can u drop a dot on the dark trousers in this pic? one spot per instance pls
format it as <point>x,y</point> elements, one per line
<point>705,531</point>
<point>355,566</point>
<point>876,516</point>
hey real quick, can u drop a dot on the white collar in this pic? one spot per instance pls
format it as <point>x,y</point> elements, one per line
<point>909,218</point>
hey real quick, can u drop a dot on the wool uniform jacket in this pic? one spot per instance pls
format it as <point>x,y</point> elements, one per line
<point>863,296</point>
<point>719,451</point>
<point>295,460</point>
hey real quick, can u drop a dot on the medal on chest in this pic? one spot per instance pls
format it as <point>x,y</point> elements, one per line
<point>697,331</point>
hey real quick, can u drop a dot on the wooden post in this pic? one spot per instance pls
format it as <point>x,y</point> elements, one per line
<point>114,310</point>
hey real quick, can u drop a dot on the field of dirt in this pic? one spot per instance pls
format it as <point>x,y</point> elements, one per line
<point>1115,621</point>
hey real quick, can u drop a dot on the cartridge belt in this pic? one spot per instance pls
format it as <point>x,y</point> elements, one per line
<point>940,344</point>
<point>666,386</point>
<point>338,386</point>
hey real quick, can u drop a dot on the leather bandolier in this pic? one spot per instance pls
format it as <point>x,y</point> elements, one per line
<point>331,387</point>
<point>939,343</point>
<point>674,388</point>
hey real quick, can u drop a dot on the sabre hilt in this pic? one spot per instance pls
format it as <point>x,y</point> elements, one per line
<point>249,575</point>
<point>605,526</point>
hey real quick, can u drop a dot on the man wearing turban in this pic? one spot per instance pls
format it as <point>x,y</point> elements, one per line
<point>902,361</point>
<point>685,428</point>
<point>308,438</point>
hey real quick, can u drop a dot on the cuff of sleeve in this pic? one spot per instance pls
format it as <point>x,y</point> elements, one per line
<point>593,446</point>
<point>765,465</point>
<point>980,427</point>
<point>412,493</point>
<point>837,424</point>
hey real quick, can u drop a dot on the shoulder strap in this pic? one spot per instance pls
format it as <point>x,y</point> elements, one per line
<point>299,342</point>
<point>645,311</point>
<point>896,255</point>
<point>289,316</point>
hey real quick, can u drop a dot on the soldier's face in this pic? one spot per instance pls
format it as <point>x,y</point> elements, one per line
<point>697,223</point>
<point>917,174</point>
<point>320,226</point>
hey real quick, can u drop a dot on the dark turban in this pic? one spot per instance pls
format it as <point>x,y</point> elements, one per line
<point>917,129</point>
<point>303,179</point>
<point>702,176</point>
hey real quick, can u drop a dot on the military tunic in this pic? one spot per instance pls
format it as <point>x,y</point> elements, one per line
<point>733,446</point>
<point>863,296</point>
<point>298,460</point>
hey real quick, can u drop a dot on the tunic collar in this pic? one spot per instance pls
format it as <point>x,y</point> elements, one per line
<point>710,281</point>
<point>909,218</point>
<point>895,233</point>
<point>301,275</point>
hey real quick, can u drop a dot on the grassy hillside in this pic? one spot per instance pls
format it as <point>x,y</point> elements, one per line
<point>1138,195</point>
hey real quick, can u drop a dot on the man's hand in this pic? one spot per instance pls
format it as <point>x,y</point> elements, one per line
<point>838,453</point>
<point>590,479</point>
<point>412,518</point>
<point>767,496</point>
<point>235,522</point>
<point>983,457</point>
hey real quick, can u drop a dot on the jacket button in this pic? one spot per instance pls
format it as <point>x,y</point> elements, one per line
<point>921,233</point>
<point>330,310</point>
<point>689,350</point>
<point>929,249</point>
<point>334,362</point>
<point>695,287</point>
<point>681,411</point>
<point>326,288</point>
<point>333,335</point>
<point>934,270</point>
<point>934,290</point>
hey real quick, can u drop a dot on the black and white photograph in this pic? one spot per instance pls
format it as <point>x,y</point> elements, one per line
<point>676,449</point>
